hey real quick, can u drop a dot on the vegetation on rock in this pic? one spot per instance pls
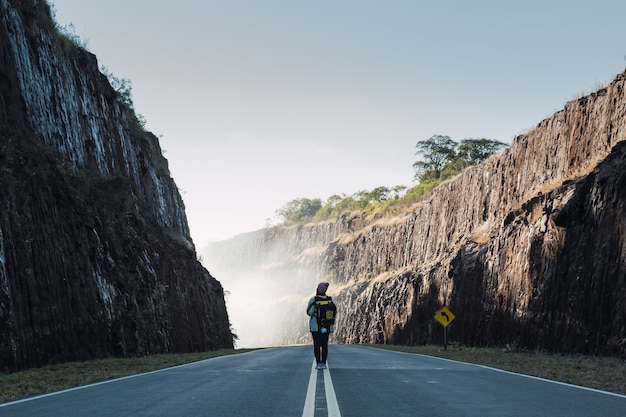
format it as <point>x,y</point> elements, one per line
<point>442,159</point>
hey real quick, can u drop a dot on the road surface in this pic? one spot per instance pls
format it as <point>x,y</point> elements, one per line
<point>360,382</point>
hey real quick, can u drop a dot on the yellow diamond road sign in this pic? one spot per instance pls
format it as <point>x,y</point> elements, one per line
<point>444,316</point>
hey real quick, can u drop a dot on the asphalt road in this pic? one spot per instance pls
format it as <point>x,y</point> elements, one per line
<point>360,382</point>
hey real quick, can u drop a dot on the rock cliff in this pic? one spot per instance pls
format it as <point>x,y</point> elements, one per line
<point>96,257</point>
<point>527,249</point>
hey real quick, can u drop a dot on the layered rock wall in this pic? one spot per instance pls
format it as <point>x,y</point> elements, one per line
<point>96,257</point>
<point>526,249</point>
<point>516,247</point>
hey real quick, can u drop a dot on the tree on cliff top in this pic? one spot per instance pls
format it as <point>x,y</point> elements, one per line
<point>442,157</point>
<point>437,151</point>
<point>474,151</point>
<point>304,210</point>
<point>299,210</point>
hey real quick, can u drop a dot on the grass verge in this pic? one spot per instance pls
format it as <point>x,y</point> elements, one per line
<point>73,374</point>
<point>606,374</point>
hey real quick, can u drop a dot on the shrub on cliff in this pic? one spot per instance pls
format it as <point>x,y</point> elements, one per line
<point>443,158</point>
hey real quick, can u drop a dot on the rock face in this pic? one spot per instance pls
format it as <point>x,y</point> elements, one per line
<point>526,249</point>
<point>96,257</point>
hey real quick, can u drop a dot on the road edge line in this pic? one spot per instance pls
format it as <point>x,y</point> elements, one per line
<point>567,384</point>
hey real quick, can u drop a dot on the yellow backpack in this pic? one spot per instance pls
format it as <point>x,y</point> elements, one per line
<point>326,311</point>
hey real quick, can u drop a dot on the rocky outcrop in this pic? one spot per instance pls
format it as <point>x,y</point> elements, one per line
<point>96,257</point>
<point>526,249</point>
<point>550,277</point>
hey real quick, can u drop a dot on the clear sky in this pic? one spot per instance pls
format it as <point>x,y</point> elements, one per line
<point>260,102</point>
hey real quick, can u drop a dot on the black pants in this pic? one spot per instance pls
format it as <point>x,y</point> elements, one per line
<point>320,346</point>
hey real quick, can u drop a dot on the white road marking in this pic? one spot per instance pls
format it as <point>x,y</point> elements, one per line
<point>517,374</point>
<point>108,381</point>
<point>332,407</point>
<point>331,399</point>
<point>309,403</point>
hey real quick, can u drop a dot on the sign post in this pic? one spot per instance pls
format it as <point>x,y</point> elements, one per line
<point>444,317</point>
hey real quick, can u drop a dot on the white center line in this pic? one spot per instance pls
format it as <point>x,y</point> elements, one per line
<point>331,399</point>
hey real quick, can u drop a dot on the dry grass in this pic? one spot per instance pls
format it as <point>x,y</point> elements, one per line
<point>480,235</point>
<point>607,374</point>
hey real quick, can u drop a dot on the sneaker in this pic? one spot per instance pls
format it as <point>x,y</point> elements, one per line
<point>324,366</point>
<point>319,366</point>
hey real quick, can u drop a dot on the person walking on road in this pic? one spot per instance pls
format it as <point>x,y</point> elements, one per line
<point>322,312</point>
